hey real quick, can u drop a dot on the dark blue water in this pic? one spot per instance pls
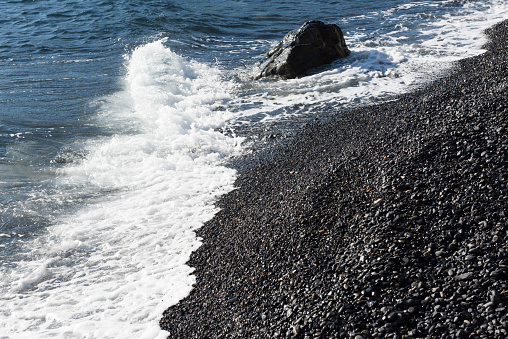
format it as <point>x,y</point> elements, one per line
<point>74,107</point>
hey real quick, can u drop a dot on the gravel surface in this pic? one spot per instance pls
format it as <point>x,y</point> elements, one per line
<point>387,221</point>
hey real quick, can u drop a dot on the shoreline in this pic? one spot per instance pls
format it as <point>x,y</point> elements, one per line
<point>383,221</point>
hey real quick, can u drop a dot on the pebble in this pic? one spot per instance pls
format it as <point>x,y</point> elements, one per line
<point>465,276</point>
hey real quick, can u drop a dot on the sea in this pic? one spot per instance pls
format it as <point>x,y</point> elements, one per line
<point>118,120</point>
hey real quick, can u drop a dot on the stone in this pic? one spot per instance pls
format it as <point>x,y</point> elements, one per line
<point>440,253</point>
<point>314,44</point>
<point>465,276</point>
<point>475,251</point>
<point>495,297</point>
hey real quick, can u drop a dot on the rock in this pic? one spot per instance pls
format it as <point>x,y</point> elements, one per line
<point>465,276</point>
<point>475,251</point>
<point>313,45</point>
<point>440,253</point>
<point>495,297</point>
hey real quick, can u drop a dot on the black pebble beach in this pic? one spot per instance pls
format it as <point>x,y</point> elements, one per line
<point>386,221</point>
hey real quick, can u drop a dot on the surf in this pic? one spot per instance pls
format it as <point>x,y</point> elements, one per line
<point>111,268</point>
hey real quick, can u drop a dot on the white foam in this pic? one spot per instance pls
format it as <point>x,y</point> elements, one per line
<point>112,268</point>
<point>409,47</point>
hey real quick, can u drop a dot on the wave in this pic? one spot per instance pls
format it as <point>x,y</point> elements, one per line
<point>111,268</point>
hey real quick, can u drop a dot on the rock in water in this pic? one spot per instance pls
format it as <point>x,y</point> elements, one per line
<point>313,45</point>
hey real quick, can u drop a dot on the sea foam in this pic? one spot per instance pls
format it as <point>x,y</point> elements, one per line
<point>110,269</point>
<point>400,50</point>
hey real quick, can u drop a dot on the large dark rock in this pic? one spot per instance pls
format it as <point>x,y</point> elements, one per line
<point>313,45</point>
